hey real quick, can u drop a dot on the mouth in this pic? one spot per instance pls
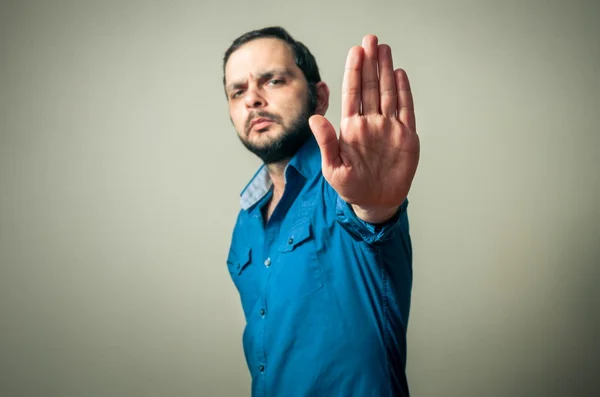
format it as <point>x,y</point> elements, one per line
<point>260,124</point>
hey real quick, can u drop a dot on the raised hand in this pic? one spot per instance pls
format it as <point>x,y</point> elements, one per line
<point>373,162</point>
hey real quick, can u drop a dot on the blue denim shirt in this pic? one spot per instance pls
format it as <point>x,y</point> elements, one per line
<point>326,295</point>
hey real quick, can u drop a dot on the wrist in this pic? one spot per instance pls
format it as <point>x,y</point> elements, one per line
<point>374,214</point>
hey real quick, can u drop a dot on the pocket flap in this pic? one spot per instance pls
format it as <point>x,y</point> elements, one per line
<point>238,261</point>
<point>297,235</point>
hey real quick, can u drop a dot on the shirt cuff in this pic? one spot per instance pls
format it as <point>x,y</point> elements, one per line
<point>370,233</point>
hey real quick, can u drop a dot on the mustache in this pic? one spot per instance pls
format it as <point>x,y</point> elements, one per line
<point>264,115</point>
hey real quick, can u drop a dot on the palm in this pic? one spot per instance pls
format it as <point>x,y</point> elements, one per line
<point>374,160</point>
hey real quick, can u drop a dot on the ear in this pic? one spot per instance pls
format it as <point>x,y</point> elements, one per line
<point>322,98</point>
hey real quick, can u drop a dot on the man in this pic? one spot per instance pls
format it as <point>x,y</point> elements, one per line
<point>321,253</point>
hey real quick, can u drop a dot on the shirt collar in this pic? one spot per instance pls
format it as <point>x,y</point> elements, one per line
<point>306,161</point>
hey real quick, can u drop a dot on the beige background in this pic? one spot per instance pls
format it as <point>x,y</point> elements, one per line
<point>120,174</point>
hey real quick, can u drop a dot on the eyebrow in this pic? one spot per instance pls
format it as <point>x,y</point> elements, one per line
<point>261,76</point>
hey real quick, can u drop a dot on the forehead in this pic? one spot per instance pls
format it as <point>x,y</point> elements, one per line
<point>259,56</point>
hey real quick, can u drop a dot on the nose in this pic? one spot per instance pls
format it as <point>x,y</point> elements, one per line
<point>253,99</point>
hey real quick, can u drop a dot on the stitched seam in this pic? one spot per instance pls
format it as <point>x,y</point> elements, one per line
<point>385,315</point>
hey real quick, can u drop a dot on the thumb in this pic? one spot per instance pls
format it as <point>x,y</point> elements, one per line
<point>326,137</point>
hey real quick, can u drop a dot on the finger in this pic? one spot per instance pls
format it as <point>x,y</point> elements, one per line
<point>387,82</point>
<point>326,137</point>
<point>352,82</point>
<point>406,110</point>
<point>370,81</point>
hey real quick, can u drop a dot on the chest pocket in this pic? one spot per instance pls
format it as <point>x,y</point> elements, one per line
<point>238,262</point>
<point>244,277</point>
<point>299,270</point>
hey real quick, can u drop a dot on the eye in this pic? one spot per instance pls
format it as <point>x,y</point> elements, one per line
<point>236,94</point>
<point>275,82</point>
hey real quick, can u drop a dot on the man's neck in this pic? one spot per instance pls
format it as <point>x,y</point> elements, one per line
<point>277,174</point>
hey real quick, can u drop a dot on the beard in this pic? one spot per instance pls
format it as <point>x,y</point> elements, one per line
<point>285,145</point>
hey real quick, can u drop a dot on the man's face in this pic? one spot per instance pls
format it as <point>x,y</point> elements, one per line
<point>268,99</point>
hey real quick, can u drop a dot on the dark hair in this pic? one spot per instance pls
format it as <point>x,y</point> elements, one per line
<point>302,55</point>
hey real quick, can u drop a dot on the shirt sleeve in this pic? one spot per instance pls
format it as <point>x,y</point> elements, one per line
<point>369,232</point>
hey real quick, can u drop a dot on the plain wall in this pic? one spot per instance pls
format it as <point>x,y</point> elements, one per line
<point>120,176</point>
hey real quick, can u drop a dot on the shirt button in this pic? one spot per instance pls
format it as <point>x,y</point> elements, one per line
<point>262,312</point>
<point>268,262</point>
<point>291,240</point>
<point>261,368</point>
